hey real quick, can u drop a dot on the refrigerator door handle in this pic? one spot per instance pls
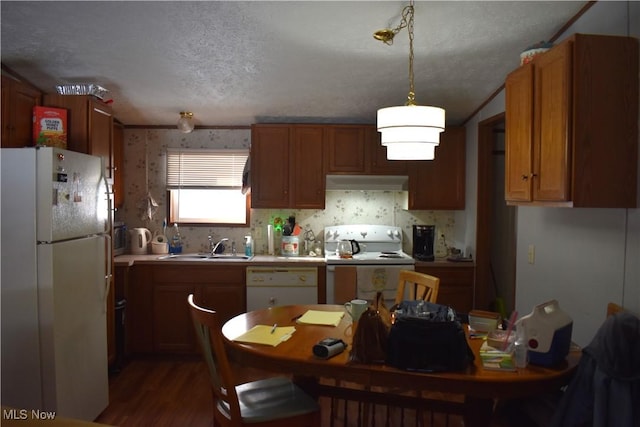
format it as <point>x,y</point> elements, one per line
<point>108,277</point>
<point>108,192</point>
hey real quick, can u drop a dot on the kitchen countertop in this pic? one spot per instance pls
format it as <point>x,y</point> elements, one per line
<point>129,260</point>
<point>443,262</point>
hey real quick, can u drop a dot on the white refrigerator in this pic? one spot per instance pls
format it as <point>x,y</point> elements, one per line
<point>55,274</point>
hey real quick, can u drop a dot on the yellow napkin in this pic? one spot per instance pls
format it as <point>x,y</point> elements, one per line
<point>261,334</point>
<point>316,317</point>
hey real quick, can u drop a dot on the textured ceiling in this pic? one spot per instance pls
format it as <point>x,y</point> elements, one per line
<point>237,63</point>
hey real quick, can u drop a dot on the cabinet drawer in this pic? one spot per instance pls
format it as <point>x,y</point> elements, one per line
<point>450,276</point>
<point>199,274</point>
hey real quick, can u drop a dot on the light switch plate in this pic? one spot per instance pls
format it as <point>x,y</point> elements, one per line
<point>532,254</point>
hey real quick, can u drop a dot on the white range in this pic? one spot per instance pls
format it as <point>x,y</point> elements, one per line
<point>374,268</point>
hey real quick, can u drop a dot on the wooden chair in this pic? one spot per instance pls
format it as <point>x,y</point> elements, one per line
<point>272,402</point>
<point>423,286</point>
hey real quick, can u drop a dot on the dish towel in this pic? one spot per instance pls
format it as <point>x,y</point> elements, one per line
<point>372,279</point>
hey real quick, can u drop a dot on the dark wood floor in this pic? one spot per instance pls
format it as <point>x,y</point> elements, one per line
<point>175,393</point>
<point>154,392</point>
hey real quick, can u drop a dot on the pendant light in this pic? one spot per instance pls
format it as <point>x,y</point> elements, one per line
<point>410,131</point>
<point>185,122</point>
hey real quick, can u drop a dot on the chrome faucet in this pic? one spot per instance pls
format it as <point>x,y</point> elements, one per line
<point>218,248</point>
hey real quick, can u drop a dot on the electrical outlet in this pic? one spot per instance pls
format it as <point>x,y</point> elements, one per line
<point>532,254</point>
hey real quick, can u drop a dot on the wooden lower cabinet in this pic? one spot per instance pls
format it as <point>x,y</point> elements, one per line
<point>160,321</point>
<point>139,334</point>
<point>118,340</point>
<point>172,327</point>
<point>456,284</point>
<point>111,327</point>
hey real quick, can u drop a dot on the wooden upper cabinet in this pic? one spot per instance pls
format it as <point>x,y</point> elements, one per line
<point>356,150</point>
<point>270,156</point>
<point>18,100</point>
<point>118,165</point>
<point>346,148</point>
<point>286,166</point>
<point>439,184</point>
<point>572,125</point>
<point>552,143</point>
<point>307,168</point>
<point>519,117</point>
<point>377,156</point>
<point>90,124</point>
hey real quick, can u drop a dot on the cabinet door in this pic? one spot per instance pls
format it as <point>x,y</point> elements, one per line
<point>227,299</point>
<point>172,325</point>
<point>101,135</point>
<point>270,157</point>
<point>379,165</point>
<point>308,178</point>
<point>519,134</point>
<point>139,314</point>
<point>18,101</point>
<point>440,183</point>
<point>118,165</point>
<point>111,326</point>
<point>121,291</point>
<point>346,148</point>
<point>551,134</point>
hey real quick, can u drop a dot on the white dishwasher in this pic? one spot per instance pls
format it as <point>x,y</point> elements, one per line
<point>274,286</point>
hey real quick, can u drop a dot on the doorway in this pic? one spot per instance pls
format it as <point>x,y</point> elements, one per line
<point>496,223</point>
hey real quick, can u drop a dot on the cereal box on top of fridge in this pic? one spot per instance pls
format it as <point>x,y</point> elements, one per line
<point>50,127</point>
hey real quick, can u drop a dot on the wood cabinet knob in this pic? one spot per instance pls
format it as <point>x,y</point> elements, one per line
<point>524,177</point>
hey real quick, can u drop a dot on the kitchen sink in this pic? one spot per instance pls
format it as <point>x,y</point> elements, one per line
<point>205,257</point>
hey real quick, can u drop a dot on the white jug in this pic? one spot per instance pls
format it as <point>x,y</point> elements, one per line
<point>140,238</point>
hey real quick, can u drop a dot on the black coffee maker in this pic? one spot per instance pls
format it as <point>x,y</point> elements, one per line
<point>423,241</point>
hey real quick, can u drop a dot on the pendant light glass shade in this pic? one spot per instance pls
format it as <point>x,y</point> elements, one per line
<point>185,122</point>
<point>411,151</point>
<point>410,132</point>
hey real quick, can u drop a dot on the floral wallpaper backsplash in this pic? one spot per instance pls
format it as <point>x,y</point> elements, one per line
<point>145,196</point>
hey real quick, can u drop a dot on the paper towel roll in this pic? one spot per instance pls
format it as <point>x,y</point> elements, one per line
<point>271,248</point>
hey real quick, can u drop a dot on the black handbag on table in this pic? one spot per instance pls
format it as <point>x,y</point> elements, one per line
<point>427,337</point>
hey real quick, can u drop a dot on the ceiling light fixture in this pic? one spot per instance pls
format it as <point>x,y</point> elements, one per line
<point>410,131</point>
<point>185,122</point>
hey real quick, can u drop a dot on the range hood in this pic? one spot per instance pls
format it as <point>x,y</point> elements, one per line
<point>367,182</point>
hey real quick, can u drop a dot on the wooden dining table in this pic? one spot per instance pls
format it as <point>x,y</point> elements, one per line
<point>478,386</point>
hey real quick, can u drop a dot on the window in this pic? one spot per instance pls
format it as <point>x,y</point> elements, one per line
<point>204,187</point>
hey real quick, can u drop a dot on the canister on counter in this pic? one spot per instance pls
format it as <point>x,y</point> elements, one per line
<point>290,246</point>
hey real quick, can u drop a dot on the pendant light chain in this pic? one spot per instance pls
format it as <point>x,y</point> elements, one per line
<point>410,131</point>
<point>411,98</point>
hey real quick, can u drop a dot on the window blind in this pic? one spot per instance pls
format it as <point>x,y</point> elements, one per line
<point>198,169</point>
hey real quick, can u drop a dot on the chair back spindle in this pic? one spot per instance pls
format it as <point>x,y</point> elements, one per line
<point>422,286</point>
